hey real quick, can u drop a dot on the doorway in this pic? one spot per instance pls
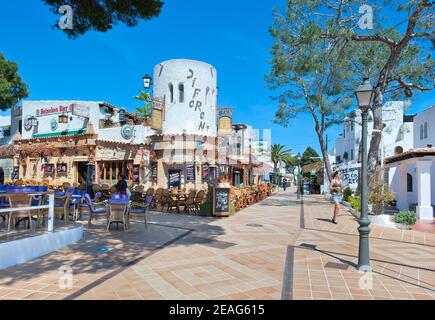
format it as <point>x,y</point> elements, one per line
<point>81,172</point>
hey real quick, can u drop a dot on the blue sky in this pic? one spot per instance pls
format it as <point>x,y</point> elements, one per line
<point>231,35</point>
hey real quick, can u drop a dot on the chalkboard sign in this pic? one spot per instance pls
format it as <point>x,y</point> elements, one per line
<point>154,172</point>
<point>221,202</point>
<point>174,178</point>
<point>190,172</point>
<point>15,173</point>
<point>136,173</point>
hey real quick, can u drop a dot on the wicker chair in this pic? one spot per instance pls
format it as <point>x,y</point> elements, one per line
<point>158,198</point>
<point>118,212</point>
<point>189,202</point>
<point>140,211</point>
<point>20,201</point>
<point>62,206</point>
<point>200,198</point>
<point>95,212</point>
<point>168,201</point>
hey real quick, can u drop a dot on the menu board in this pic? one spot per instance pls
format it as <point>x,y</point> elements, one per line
<point>221,202</point>
<point>174,178</point>
<point>154,172</point>
<point>205,171</point>
<point>190,172</point>
<point>62,168</point>
<point>136,173</point>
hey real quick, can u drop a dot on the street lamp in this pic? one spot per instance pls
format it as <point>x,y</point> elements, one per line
<point>147,81</point>
<point>365,96</point>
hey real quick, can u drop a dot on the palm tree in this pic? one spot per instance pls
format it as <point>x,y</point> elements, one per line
<point>279,154</point>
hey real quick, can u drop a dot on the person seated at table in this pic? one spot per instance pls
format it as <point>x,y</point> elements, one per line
<point>122,186</point>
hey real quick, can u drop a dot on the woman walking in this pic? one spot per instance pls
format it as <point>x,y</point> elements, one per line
<point>336,190</point>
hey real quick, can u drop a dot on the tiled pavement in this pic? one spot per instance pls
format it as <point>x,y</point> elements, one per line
<point>260,253</point>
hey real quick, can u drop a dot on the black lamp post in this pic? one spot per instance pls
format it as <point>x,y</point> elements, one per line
<point>365,96</point>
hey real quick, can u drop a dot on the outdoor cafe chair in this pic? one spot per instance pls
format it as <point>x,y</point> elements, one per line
<point>95,212</point>
<point>84,208</point>
<point>189,202</point>
<point>118,212</point>
<point>135,211</point>
<point>20,201</point>
<point>62,205</point>
<point>200,198</point>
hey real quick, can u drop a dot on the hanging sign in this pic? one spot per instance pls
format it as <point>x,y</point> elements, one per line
<point>205,171</point>
<point>15,173</point>
<point>157,115</point>
<point>190,172</point>
<point>62,168</point>
<point>154,172</point>
<point>48,168</point>
<point>174,178</point>
<point>136,173</point>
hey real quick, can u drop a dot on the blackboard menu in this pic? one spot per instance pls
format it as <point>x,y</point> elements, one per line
<point>154,172</point>
<point>16,173</point>
<point>174,178</point>
<point>221,202</point>
<point>61,168</point>
<point>136,173</point>
<point>205,171</point>
<point>190,172</point>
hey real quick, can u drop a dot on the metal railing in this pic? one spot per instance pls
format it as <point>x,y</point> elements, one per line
<point>50,208</point>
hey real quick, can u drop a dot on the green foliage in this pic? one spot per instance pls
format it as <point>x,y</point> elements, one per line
<point>406,217</point>
<point>355,203</point>
<point>94,15</point>
<point>380,195</point>
<point>347,193</point>
<point>280,154</point>
<point>12,88</point>
<point>233,207</point>
<point>309,156</point>
<point>146,111</point>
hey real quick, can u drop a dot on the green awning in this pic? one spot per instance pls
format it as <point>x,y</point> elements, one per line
<point>59,134</point>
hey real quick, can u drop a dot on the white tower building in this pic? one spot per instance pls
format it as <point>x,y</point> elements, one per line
<point>190,91</point>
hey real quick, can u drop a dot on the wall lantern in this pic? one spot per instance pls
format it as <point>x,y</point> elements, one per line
<point>63,118</point>
<point>147,81</point>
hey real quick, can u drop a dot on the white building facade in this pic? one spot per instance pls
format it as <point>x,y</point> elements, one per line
<point>397,136</point>
<point>411,174</point>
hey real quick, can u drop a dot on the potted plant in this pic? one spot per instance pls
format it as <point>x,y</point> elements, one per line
<point>405,219</point>
<point>145,112</point>
<point>380,195</point>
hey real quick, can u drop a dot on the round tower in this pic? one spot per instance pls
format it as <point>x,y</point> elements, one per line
<point>190,91</point>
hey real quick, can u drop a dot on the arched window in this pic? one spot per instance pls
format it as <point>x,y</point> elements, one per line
<point>171,93</point>
<point>181,93</point>
<point>409,182</point>
<point>425,130</point>
<point>421,132</point>
<point>398,150</point>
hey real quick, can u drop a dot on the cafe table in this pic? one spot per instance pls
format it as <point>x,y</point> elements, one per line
<point>180,196</point>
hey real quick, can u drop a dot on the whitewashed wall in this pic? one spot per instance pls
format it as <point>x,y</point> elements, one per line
<point>197,113</point>
<point>427,116</point>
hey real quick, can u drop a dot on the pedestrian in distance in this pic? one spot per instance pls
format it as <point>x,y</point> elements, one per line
<point>284,183</point>
<point>2,176</point>
<point>336,190</point>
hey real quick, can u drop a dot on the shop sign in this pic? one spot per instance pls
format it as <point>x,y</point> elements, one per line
<point>190,172</point>
<point>154,172</point>
<point>136,173</point>
<point>15,173</point>
<point>205,171</point>
<point>127,132</point>
<point>62,168</point>
<point>53,110</point>
<point>53,124</point>
<point>221,202</point>
<point>174,178</point>
<point>80,110</point>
